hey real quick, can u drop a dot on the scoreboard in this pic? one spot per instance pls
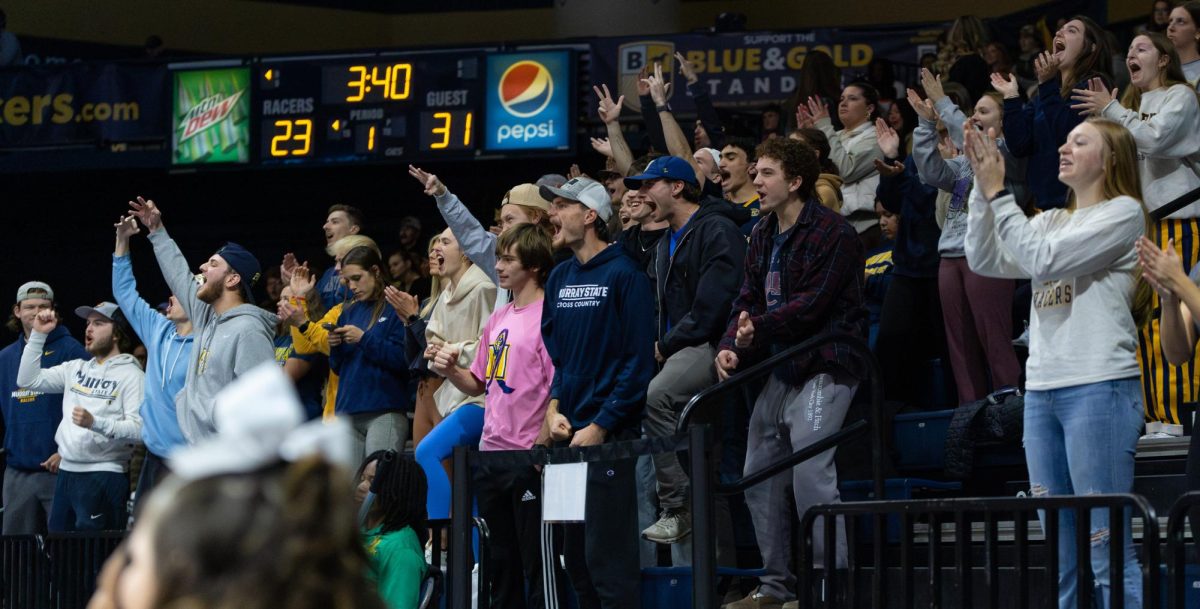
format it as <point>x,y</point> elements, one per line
<point>382,107</point>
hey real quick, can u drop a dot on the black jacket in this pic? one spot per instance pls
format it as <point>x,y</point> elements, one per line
<point>695,288</point>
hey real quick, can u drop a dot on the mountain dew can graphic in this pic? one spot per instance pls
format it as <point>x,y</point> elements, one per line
<point>211,117</point>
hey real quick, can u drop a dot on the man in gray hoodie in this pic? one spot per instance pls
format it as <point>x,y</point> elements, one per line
<point>232,336</point>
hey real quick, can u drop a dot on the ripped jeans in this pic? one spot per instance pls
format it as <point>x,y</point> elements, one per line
<point>1082,440</point>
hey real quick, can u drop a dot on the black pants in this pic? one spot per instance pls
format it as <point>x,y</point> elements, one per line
<point>521,556</point>
<point>910,334</point>
<point>602,553</point>
<point>154,470</point>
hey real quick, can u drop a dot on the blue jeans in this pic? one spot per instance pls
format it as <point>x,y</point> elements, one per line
<point>1082,440</point>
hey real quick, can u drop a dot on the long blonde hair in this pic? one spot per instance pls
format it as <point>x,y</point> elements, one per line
<point>1121,179</point>
<point>435,285</point>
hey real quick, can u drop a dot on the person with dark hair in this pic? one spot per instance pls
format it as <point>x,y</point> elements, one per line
<point>100,423</point>
<point>366,350</point>
<point>965,42</point>
<point>1030,47</point>
<point>514,372</point>
<point>10,47</point>
<point>405,269</point>
<point>1158,20</point>
<point>697,273</point>
<point>396,527</point>
<point>599,332</point>
<point>819,77</point>
<point>854,151</point>
<point>232,335</point>
<point>1184,32</point>
<point>882,76</point>
<point>168,339</point>
<point>273,286</point>
<point>803,276</point>
<point>1036,129</point>
<point>31,418</point>
<point>737,157</point>
<point>829,183</point>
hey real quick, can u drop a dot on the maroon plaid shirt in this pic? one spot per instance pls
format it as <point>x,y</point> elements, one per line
<point>821,284</point>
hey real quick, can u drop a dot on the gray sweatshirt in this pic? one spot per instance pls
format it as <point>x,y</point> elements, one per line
<point>226,345</point>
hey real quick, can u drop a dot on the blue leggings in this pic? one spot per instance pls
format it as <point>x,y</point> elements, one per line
<point>463,427</point>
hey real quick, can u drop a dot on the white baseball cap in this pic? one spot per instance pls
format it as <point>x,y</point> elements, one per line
<point>583,190</point>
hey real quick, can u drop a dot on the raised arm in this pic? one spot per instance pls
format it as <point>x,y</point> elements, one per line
<point>610,113</point>
<point>144,319</point>
<point>171,262</point>
<point>30,374</point>
<point>477,243</point>
<point>677,143</point>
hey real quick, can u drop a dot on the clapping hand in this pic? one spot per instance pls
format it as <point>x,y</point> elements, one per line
<point>603,146</point>
<point>932,85</point>
<point>817,108</point>
<point>923,107</point>
<point>984,156</point>
<point>1046,66</point>
<point>1006,85</point>
<point>1092,100</point>
<point>405,304</point>
<point>887,138</point>
<point>1161,267</point>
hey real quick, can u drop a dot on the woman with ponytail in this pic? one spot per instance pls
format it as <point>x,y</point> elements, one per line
<point>366,350</point>
<point>1083,407</point>
<point>1162,112</point>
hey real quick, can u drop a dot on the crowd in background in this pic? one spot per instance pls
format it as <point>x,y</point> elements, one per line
<point>995,217</point>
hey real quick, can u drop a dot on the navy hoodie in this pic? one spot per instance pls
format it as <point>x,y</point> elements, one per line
<point>916,250</point>
<point>32,418</point>
<point>598,325</point>
<point>372,374</point>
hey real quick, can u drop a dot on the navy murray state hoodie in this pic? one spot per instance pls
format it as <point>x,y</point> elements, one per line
<point>598,325</point>
<point>31,418</point>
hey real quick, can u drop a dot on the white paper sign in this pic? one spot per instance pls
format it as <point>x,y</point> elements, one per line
<point>564,492</point>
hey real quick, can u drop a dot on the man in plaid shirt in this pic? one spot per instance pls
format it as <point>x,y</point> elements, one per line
<point>804,277</point>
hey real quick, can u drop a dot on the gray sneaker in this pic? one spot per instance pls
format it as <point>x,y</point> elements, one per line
<point>673,526</point>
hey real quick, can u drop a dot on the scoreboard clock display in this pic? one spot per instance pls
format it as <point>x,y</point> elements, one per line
<point>381,107</point>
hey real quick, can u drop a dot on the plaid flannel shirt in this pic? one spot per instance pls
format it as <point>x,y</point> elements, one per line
<point>821,285</point>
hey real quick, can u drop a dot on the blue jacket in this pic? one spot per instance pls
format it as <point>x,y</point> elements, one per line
<point>598,325</point>
<point>373,374</point>
<point>167,357</point>
<point>916,248</point>
<point>1036,130</point>
<point>31,418</point>
<point>331,289</point>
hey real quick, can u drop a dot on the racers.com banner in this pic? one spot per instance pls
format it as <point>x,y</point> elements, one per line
<point>751,68</point>
<point>82,104</point>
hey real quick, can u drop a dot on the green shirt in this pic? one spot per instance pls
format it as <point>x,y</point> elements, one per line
<point>397,566</point>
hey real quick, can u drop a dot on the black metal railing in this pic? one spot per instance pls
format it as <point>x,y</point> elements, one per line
<point>1181,512</point>
<point>963,513</point>
<point>704,563</point>
<point>53,572</point>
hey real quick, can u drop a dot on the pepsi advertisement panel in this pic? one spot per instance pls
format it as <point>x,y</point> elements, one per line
<point>529,102</point>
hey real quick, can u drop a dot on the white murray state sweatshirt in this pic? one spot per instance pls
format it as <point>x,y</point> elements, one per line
<point>1082,267</point>
<point>1165,129</point>
<point>111,392</point>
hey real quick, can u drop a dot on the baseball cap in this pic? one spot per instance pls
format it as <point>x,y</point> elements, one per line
<point>243,263</point>
<point>664,167</point>
<point>584,190</point>
<point>37,287</point>
<point>106,309</point>
<point>528,195</point>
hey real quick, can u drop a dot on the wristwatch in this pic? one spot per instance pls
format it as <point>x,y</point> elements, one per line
<point>1002,192</point>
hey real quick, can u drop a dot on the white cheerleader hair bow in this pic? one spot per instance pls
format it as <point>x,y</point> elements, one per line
<point>260,421</point>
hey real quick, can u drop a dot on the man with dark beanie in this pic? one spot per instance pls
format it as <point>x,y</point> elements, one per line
<point>232,335</point>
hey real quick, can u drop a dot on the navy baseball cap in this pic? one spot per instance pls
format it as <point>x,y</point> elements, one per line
<point>664,168</point>
<point>243,263</point>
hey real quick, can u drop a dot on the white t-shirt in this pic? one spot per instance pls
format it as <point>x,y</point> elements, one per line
<point>1082,266</point>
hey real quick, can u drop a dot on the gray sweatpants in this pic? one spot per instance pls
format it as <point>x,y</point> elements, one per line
<point>378,431</point>
<point>686,373</point>
<point>27,499</point>
<point>785,419</point>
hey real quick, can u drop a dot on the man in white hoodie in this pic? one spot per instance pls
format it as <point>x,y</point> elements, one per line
<point>100,423</point>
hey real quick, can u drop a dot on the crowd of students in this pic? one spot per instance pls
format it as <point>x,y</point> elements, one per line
<point>596,308</point>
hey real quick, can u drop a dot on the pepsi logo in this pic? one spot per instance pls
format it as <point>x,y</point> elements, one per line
<point>526,88</point>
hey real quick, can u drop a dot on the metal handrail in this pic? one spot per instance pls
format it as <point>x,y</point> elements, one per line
<point>1177,546</point>
<point>703,400</point>
<point>960,509</point>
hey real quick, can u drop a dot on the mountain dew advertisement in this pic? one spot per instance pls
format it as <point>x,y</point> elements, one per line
<point>211,117</point>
